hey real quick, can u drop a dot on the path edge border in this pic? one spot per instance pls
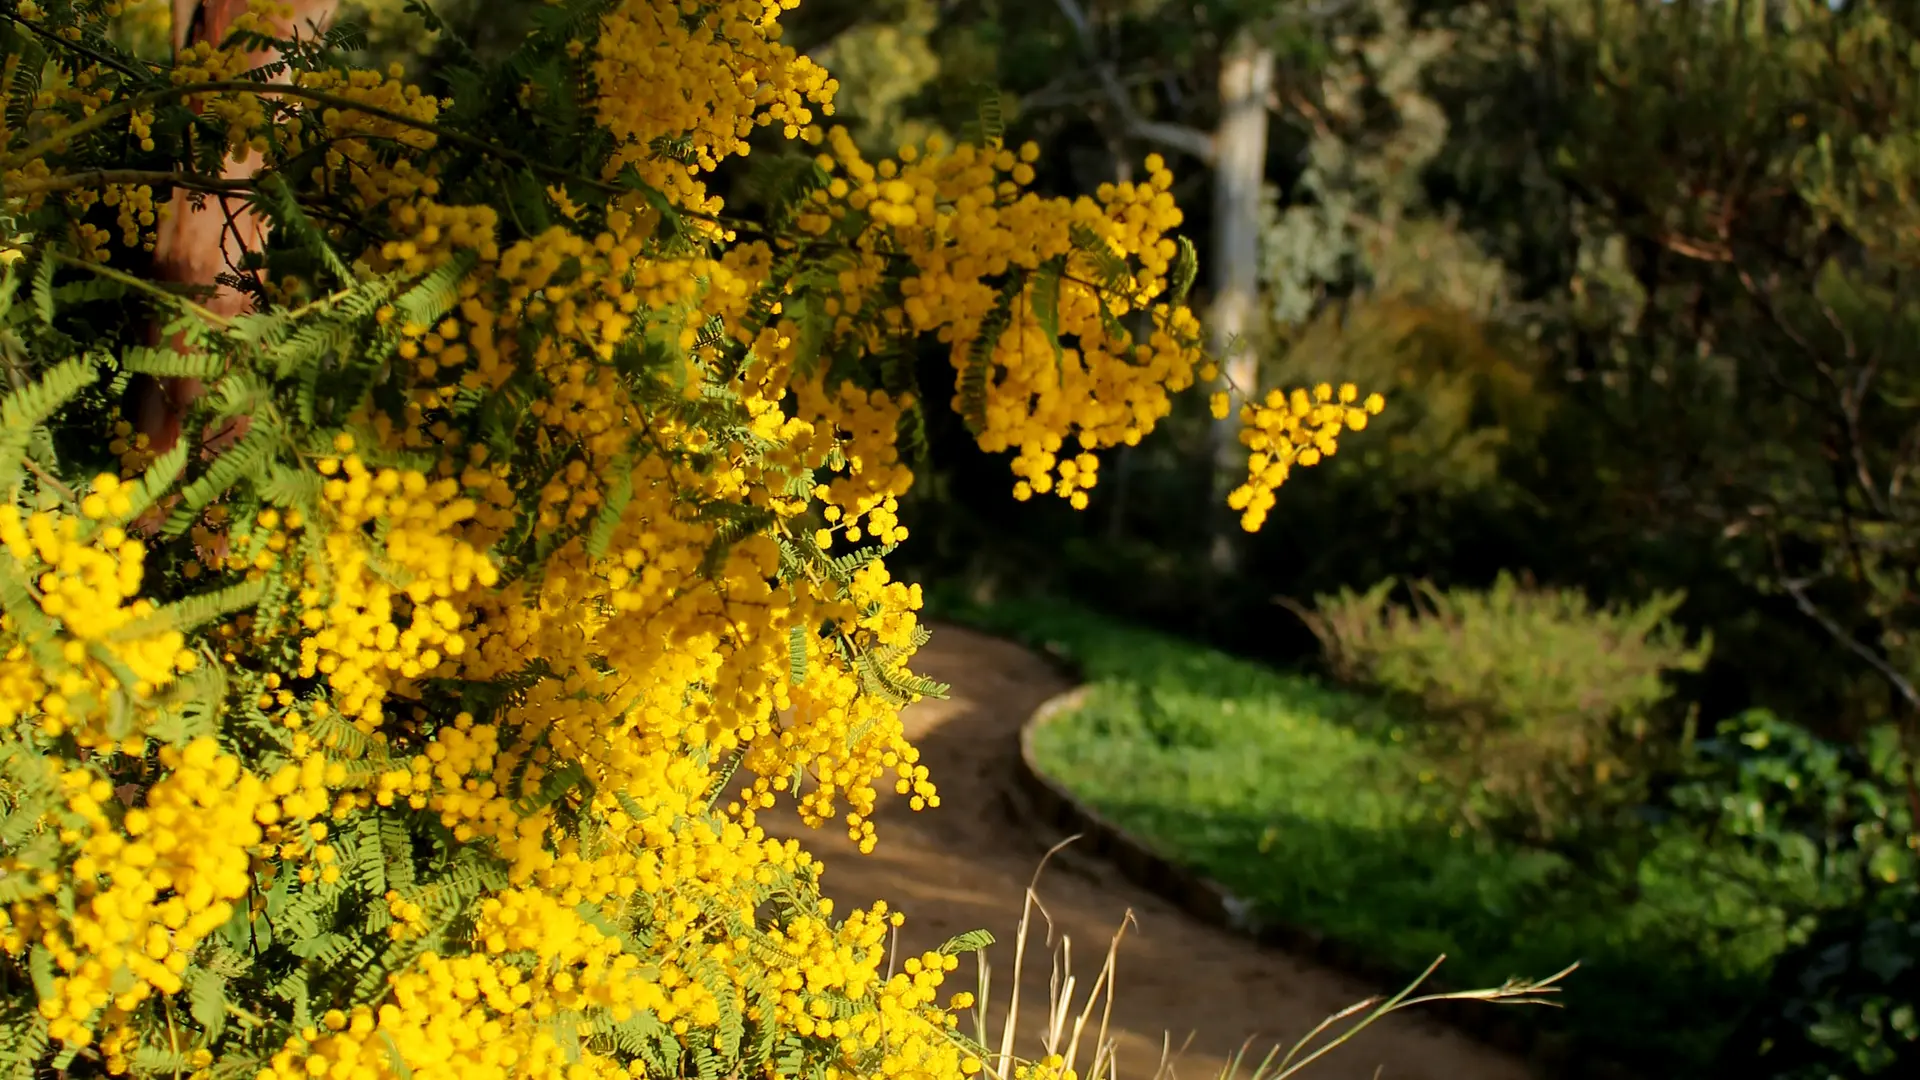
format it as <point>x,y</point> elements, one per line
<point>1503,1027</point>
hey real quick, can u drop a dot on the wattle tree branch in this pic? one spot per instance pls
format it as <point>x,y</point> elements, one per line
<point>1188,140</point>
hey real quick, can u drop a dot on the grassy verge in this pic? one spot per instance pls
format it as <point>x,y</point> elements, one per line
<point>1298,797</point>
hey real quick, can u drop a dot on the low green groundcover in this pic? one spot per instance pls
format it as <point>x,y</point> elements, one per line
<point>1300,799</point>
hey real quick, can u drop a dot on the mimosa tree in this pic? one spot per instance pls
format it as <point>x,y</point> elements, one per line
<point>395,695</point>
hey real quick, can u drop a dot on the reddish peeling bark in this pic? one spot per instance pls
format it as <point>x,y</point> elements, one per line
<point>196,244</point>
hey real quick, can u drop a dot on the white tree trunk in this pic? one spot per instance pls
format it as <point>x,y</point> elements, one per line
<point>1240,149</point>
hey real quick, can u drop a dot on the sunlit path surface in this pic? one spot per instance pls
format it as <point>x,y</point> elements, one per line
<point>966,865</point>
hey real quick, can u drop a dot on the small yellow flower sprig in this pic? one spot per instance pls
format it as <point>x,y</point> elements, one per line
<point>1286,430</point>
<point>1051,1067</point>
<point>828,711</point>
<point>357,143</point>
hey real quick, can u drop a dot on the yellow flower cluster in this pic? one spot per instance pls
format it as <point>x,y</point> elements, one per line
<point>95,642</point>
<point>703,83</point>
<point>962,217</point>
<point>148,888</point>
<point>1285,430</point>
<point>547,622</point>
<point>455,1018</point>
<point>130,448</point>
<point>391,615</point>
<point>214,61</point>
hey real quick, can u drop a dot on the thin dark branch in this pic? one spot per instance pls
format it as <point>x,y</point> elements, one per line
<point>52,143</point>
<point>1797,589</point>
<point>1061,91</point>
<point>76,47</point>
<point>142,285</point>
<point>1188,140</point>
<point>1845,408</point>
<point>101,177</point>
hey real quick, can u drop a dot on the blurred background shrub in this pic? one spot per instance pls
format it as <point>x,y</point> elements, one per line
<point>1535,705</point>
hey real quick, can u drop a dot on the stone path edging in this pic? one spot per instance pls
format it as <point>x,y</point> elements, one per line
<point>1507,1028</point>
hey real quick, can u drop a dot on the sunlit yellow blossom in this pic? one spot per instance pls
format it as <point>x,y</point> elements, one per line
<point>418,725</point>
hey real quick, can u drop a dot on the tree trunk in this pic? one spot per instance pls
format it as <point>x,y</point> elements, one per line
<point>196,244</point>
<point>1246,80</point>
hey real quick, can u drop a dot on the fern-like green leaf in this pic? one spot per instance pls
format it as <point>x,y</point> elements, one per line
<point>24,1044</point>
<point>240,393</point>
<point>607,520</point>
<point>191,706</point>
<point>169,364</point>
<point>195,611</point>
<point>40,970</point>
<point>713,333</point>
<point>969,942</point>
<point>394,1056</point>
<point>644,1036</point>
<point>367,862</point>
<point>284,209</point>
<point>159,478</point>
<point>9,292</point>
<point>988,128</point>
<point>310,348</point>
<point>1186,268</point>
<point>437,293</point>
<point>207,998</point>
<point>396,846</point>
<point>1044,297</point>
<point>152,1060</point>
<point>161,474</point>
<point>43,292</point>
<point>290,487</point>
<point>797,654</point>
<point>90,291</point>
<point>23,93</point>
<point>24,410</point>
<point>978,370</point>
<point>1109,265</point>
<point>843,568</point>
<point>894,685</point>
<point>228,469</point>
<point>554,786</point>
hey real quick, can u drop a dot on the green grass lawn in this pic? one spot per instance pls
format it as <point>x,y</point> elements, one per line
<point>1300,799</point>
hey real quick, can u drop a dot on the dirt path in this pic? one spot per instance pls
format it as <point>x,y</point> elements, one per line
<point>966,865</point>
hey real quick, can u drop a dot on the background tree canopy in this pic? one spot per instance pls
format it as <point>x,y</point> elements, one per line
<point>1638,276</point>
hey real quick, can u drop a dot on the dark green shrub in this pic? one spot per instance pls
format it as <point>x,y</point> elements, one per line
<point>1534,704</point>
<point>1846,1001</point>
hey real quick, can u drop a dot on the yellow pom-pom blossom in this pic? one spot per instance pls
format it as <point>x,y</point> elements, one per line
<point>86,655</point>
<point>1285,430</point>
<point>422,731</point>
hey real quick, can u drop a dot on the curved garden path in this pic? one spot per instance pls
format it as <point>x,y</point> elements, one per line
<point>966,865</point>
